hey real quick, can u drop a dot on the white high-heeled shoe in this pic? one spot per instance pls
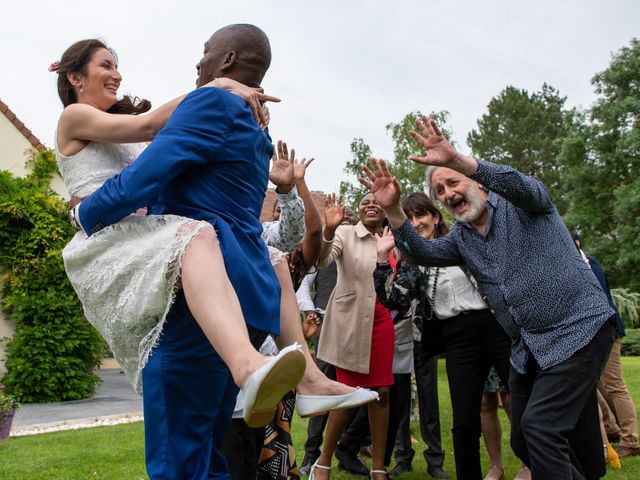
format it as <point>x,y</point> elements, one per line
<point>314,466</point>
<point>267,385</point>
<point>311,405</point>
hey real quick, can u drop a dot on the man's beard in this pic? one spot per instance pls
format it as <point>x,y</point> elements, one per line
<point>475,206</point>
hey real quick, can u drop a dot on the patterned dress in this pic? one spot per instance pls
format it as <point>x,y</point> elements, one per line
<point>124,275</point>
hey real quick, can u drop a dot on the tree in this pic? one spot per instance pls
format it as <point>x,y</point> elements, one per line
<point>525,131</point>
<point>409,174</point>
<point>602,161</point>
<point>54,349</point>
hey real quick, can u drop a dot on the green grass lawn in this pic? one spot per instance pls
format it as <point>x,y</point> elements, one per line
<point>118,452</point>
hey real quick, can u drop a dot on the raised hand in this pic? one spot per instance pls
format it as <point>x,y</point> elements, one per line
<point>381,183</point>
<point>333,211</point>
<point>300,168</point>
<point>253,96</point>
<point>439,151</point>
<point>385,244</point>
<point>282,168</point>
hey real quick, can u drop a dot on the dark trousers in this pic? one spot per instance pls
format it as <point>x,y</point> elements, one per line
<point>399,436</point>
<point>352,438</point>
<point>554,413</point>
<point>473,343</point>
<point>426,372</point>
<point>317,424</point>
<point>399,415</point>
<point>242,449</point>
<point>188,400</point>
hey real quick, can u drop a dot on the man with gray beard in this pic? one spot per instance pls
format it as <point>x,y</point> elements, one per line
<point>511,238</point>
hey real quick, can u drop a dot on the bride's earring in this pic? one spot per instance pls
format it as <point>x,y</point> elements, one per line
<point>81,89</point>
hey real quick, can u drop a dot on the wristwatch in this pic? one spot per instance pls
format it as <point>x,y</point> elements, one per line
<point>73,217</point>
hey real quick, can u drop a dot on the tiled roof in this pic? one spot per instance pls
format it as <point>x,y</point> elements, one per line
<point>20,126</point>
<point>270,200</point>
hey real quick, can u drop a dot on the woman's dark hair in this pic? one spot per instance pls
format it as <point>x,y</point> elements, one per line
<point>76,59</point>
<point>419,204</point>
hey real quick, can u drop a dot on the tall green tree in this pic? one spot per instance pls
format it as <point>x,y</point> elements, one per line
<point>54,349</point>
<point>602,159</point>
<point>526,131</point>
<point>409,174</point>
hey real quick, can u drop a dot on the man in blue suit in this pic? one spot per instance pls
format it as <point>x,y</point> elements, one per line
<point>210,162</point>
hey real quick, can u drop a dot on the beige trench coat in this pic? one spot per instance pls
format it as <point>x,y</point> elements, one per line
<point>345,338</point>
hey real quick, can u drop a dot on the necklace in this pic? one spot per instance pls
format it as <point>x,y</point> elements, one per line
<point>431,300</point>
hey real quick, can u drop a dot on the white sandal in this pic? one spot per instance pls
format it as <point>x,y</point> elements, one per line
<point>317,465</point>
<point>371,472</point>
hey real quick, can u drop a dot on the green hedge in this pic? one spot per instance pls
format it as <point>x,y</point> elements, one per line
<point>54,349</point>
<point>631,343</point>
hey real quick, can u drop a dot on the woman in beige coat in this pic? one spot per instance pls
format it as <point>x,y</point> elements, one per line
<point>357,333</point>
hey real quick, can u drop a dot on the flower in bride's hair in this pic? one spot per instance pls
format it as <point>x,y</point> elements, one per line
<point>54,66</point>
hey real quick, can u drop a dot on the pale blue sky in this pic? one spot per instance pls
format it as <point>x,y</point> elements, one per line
<point>344,69</point>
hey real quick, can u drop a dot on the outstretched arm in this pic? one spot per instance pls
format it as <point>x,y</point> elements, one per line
<point>312,242</point>
<point>287,232</point>
<point>81,122</point>
<point>175,148</point>
<point>521,190</point>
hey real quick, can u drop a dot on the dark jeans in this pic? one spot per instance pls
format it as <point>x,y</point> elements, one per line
<point>554,413</point>
<point>473,343</point>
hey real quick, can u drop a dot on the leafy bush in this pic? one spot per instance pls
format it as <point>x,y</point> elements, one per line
<point>631,343</point>
<point>628,304</point>
<point>52,353</point>
<point>7,403</point>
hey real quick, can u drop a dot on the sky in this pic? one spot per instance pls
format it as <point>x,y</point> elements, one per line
<point>343,69</point>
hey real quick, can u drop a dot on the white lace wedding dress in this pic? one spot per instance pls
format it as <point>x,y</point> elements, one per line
<point>125,275</point>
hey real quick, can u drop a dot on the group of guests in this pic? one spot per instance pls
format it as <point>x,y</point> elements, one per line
<point>175,270</point>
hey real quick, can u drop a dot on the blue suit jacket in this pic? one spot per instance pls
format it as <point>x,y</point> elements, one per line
<point>210,162</point>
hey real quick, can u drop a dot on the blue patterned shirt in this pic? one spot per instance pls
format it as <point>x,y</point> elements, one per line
<point>527,267</point>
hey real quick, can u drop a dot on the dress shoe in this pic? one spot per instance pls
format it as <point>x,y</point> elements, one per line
<point>267,385</point>
<point>400,468</point>
<point>436,471</point>
<point>310,405</point>
<point>307,463</point>
<point>351,463</point>
<point>627,451</point>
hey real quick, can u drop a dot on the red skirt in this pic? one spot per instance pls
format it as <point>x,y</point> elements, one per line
<point>381,363</point>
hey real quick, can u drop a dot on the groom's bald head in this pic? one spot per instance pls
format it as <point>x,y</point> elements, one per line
<point>240,51</point>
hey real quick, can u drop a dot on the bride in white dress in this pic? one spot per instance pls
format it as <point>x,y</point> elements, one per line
<point>126,274</point>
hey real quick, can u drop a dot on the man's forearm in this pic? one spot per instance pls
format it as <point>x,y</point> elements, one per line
<point>395,215</point>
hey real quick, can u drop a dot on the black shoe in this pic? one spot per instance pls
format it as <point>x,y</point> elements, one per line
<point>435,471</point>
<point>351,463</point>
<point>400,468</point>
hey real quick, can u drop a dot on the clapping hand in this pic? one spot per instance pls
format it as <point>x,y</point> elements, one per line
<point>333,211</point>
<point>282,172</point>
<point>439,151</point>
<point>381,183</point>
<point>384,245</point>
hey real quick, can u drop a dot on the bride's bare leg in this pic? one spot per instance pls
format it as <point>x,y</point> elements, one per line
<point>215,305</point>
<point>314,381</point>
